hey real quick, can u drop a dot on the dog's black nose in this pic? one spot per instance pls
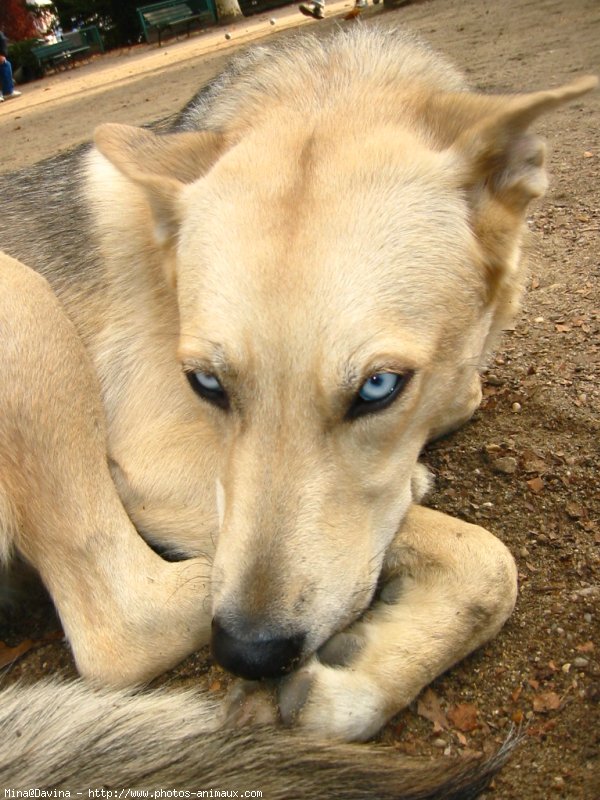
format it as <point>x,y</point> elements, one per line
<point>257,656</point>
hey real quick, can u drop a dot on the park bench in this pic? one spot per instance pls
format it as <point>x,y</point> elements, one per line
<point>61,55</point>
<point>171,15</point>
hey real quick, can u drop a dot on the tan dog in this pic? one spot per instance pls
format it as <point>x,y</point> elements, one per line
<point>279,302</point>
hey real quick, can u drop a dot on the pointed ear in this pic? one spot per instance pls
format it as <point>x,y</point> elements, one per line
<point>501,169</point>
<point>498,151</point>
<point>160,164</point>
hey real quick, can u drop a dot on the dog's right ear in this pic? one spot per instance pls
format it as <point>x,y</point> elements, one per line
<point>160,164</point>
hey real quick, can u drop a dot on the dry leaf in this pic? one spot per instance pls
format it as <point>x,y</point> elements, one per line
<point>588,647</point>
<point>532,462</point>
<point>574,510</point>
<point>10,654</point>
<point>542,729</point>
<point>462,739</point>
<point>536,485</point>
<point>464,717</point>
<point>428,706</point>
<point>547,701</point>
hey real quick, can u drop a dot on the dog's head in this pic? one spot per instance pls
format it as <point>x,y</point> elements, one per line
<point>337,291</point>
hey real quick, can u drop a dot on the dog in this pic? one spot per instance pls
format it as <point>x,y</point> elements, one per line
<point>229,345</point>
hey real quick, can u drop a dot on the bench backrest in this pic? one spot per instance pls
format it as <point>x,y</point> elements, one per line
<point>74,39</point>
<point>205,8</point>
<point>179,11</point>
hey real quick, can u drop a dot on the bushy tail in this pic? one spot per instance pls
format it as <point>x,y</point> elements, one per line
<point>68,736</point>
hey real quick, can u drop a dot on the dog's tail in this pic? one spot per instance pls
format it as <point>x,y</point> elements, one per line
<point>66,736</point>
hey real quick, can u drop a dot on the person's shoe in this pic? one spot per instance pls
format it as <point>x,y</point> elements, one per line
<point>14,93</point>
<point>315,11</point>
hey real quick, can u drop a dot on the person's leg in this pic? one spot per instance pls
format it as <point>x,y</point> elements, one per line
<point>6,76</point>
<point>314,9</point>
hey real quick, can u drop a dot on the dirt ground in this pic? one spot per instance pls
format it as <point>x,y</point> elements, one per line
<point>527,466</point>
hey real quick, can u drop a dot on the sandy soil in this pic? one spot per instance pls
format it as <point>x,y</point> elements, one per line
<point>527,466</point>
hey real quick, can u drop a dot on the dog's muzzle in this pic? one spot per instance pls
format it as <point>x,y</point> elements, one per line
<point>255,657</point>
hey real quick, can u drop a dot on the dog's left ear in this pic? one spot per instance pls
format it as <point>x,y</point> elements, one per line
<point>501,166</point>
<point>499,153</point>
<point>160,164</point>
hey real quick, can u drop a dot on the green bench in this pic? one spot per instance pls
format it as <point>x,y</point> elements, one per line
<point>170,15</point>
<point>61,55</point>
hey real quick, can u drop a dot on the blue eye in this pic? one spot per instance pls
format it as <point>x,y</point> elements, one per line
<point>378,387</point>
<point>208,387</point>
<point>378,392</point>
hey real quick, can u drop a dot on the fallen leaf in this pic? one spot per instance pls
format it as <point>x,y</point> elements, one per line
<point>516,694</point>
<point>10,654</point>
<point>574,510</point>
<point>428,706</point>
<point>588,647</point>
<point>462,739</point>
<point>532,462</point>
<point>547,701</point>
<point>542,729</point>
<point>464,717</point>
<point>536,485</point>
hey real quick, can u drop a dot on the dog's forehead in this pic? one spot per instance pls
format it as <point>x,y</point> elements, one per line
<point>309,240</point>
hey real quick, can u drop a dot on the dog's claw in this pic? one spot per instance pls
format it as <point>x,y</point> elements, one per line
<point>341,649</point>
<point>293,694</point>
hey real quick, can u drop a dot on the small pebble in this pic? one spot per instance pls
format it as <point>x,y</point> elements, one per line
<point>272,21</point>
<point>507,465</point>
<point>587,617</point>
<point>228,36</point>
<point>441,743</point>
<point>516,407</point>
<point>566,668</point>
<point>580,662</point>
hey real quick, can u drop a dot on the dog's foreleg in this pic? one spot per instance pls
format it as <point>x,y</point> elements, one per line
<point>448,586</point>
<point>127,613</point>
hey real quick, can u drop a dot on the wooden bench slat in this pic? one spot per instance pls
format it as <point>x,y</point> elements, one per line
<point>169,15</point>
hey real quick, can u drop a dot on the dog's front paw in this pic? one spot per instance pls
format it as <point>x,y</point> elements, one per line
<point>336,702</point>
